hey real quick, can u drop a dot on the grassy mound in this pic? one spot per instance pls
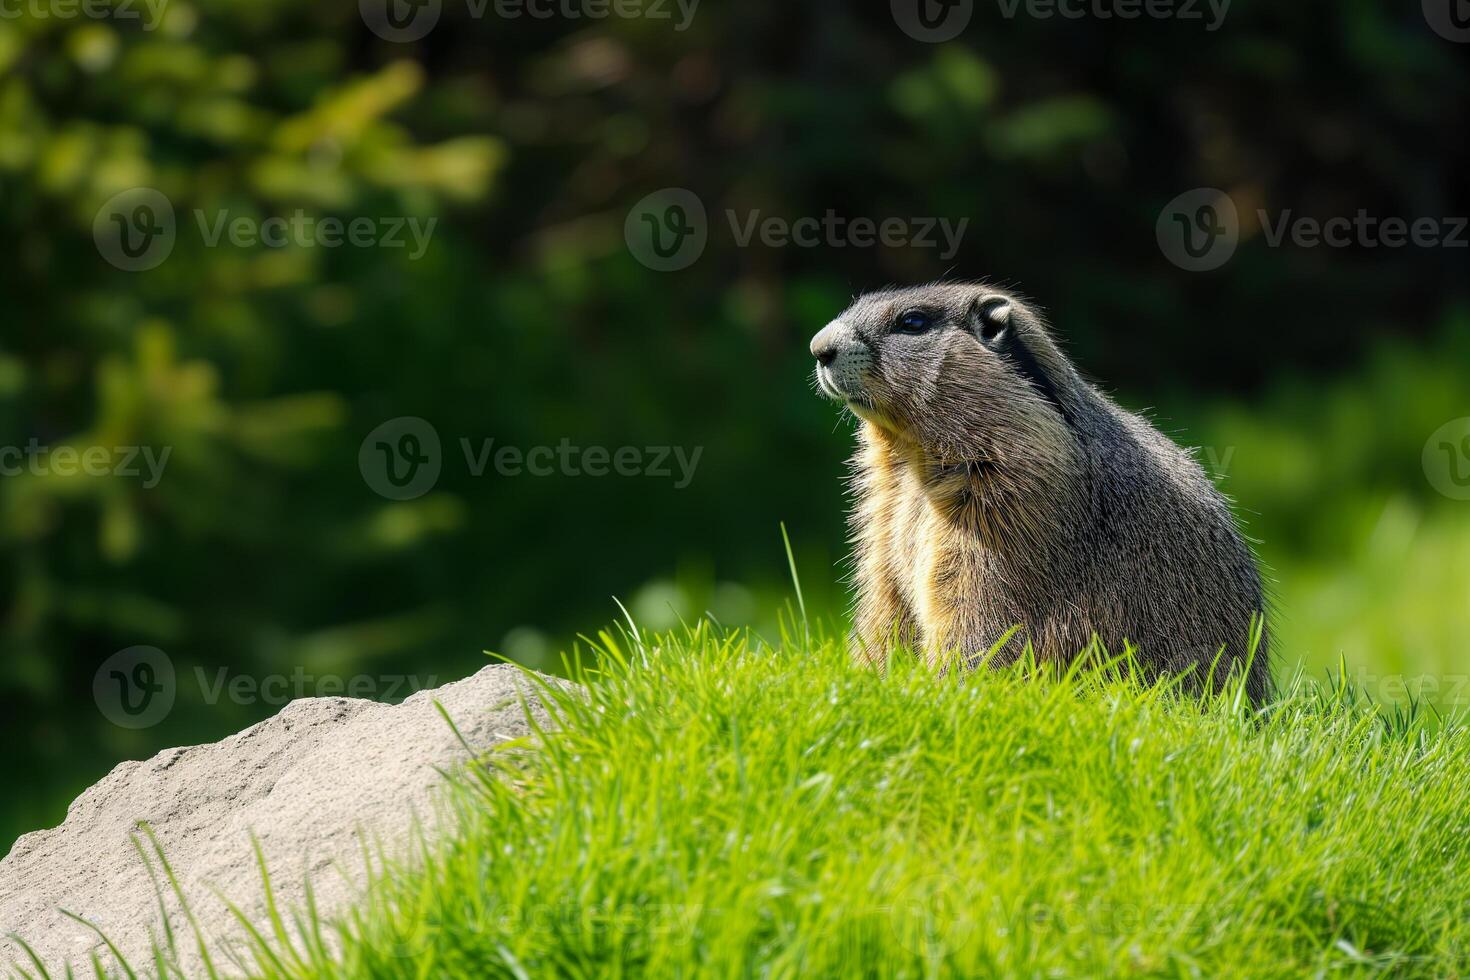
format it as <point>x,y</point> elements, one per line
<point>716,806</point>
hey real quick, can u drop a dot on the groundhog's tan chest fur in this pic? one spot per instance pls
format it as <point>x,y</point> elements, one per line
<point>926,578</point>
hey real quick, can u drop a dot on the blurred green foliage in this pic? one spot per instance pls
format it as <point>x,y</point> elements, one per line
<point>262,369</point>
<point>1368,563</point>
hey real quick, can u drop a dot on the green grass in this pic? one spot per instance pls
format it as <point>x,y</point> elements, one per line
<point>715,806</point>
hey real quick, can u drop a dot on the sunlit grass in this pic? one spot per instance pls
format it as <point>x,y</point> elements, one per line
<point>714,806</point>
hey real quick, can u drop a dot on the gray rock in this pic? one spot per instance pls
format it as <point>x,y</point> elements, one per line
<point>310,784</point>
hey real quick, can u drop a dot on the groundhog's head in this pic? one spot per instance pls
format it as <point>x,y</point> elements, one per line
<point>962,369</point>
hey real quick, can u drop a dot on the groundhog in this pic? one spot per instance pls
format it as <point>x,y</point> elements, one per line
<point>996,488</point>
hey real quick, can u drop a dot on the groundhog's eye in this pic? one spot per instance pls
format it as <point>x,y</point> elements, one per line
<point>914,321</point>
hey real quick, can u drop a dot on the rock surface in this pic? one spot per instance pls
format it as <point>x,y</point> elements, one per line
<point>307,783</point>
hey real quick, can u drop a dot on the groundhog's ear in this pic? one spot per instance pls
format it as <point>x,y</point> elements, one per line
<point>990,318</point>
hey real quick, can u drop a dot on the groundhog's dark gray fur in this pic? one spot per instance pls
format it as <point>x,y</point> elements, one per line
<point>997,488</point>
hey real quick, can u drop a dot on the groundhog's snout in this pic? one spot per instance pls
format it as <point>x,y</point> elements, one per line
<point>842,362</point>
<point>824,344</point>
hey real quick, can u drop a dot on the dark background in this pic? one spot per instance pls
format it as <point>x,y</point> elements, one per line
<point>1313,376</point>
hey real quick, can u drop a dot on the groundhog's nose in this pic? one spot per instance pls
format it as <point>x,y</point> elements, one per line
<point>824,344</point>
